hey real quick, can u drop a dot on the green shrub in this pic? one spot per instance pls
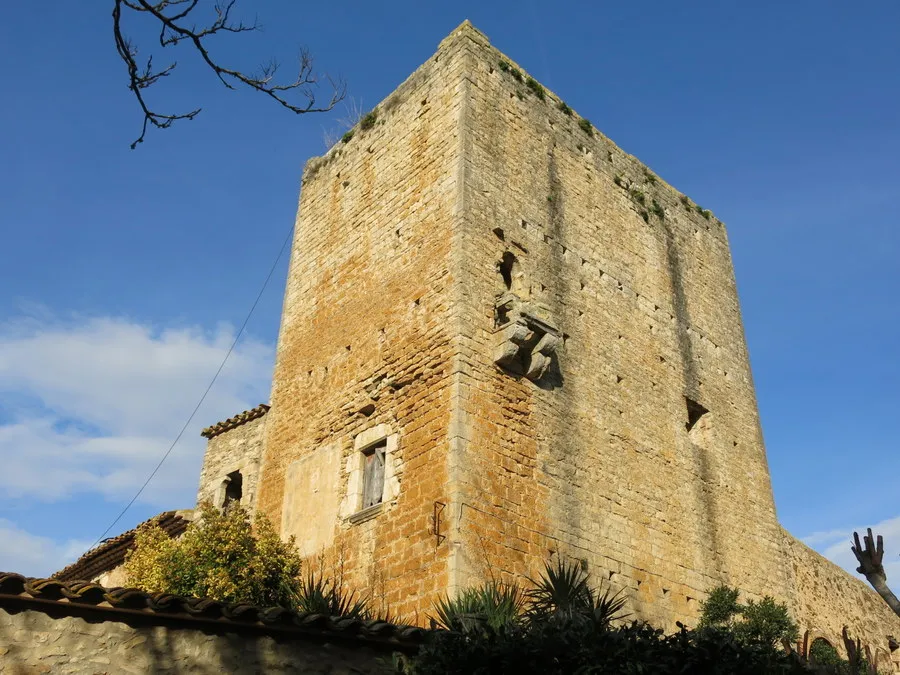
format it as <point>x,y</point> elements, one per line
<point>369,120</point>
<point>763,622</point>
<point>657,210</point>
<point>536,87</point>
<point>638,196</point>
<point>586,126</point>
<point>219,557</point>
<point>566,110</point>
<point>346,138</point>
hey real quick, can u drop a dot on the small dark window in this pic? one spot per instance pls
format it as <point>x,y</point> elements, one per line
<point>234,489</point>
<point>373,474</point>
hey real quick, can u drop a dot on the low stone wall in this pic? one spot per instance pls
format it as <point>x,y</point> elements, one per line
<point>827,598</point>
<point>48,626</point>
<point>35,642</point>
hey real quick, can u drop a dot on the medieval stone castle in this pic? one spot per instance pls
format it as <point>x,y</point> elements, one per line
<point>505,340</point>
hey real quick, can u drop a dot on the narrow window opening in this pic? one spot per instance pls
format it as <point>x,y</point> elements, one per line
<point>373,473</point>
<point>695,413</point>
<point>234,489</point>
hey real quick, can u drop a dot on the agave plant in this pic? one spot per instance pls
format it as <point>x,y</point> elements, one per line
<point>492,606</point>
<point>563,593</point>
<point>318,595</point>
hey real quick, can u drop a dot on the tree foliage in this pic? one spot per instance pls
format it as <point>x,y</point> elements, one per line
<point>758,622</point>
<point>220,556</point>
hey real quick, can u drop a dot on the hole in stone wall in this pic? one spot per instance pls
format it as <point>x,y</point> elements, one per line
<point>501,316</point>
<point>348,348</point>
<point>695,413</point>
<point>499,232</point>
<point>507,267</point>
<point>619,378</point>
<point>416,302</point>
<point>367,410</point>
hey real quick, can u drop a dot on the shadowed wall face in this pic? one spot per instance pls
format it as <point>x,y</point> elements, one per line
<point>638,452</point>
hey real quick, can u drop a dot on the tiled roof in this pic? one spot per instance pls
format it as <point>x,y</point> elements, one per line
<point>236,421</point>
<point>111,553</point>
<point>129,605</point>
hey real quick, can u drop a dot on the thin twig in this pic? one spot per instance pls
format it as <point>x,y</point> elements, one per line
<point>173,17</point>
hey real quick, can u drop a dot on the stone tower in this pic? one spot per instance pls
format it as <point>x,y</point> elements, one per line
<point>526,343</point>
<point>505,340</point>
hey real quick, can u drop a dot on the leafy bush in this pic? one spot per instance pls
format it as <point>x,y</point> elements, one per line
<point>586,126</point>
<point>220,557</point>
<point>764,622</point>
<point>563,646</point>
<point>563,625</point>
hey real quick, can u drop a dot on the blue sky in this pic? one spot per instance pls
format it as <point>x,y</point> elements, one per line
<point>125,273</point>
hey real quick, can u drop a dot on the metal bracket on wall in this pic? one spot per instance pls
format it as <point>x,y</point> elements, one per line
<point>436,523</point>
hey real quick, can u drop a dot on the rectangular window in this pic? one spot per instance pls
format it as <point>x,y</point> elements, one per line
<point>373,473</point>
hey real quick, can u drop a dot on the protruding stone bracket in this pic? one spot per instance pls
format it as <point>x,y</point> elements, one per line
<point>527,342</point>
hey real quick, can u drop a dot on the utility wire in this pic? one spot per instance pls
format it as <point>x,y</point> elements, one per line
<point>202,398</point>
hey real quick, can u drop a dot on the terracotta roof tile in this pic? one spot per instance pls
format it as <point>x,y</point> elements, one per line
<point>80,598</point>
<point>111,553</point>
<point>236,421</point>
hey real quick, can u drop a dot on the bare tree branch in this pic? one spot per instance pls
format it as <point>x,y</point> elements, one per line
<point>173,17</point>
<point>870,558</point>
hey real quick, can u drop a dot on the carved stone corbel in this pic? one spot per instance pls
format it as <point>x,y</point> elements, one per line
<point>527,342</point>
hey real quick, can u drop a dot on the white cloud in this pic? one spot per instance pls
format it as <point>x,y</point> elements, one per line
<point>40,556</point>
<point>835,545</point>
<point>89,405</point>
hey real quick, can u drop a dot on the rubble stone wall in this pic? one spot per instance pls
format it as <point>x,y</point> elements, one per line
<point>35,642</point>
<point>238,449</point>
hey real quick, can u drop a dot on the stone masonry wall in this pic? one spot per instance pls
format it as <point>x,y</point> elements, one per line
<point>33,642</point>
<point>826,599</point>
<point>365,347</point>
<point>238,449</point>
<point>594,461</point>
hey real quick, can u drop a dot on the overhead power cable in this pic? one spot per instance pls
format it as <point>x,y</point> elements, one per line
<point>205,393</point>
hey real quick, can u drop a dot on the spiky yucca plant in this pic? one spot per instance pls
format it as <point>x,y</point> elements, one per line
<point>318,595</point>
<point>491,606</point>
<point>564,593</point>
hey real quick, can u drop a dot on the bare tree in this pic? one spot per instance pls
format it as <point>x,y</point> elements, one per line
<point>870,560</point>
<point>174,19</point>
